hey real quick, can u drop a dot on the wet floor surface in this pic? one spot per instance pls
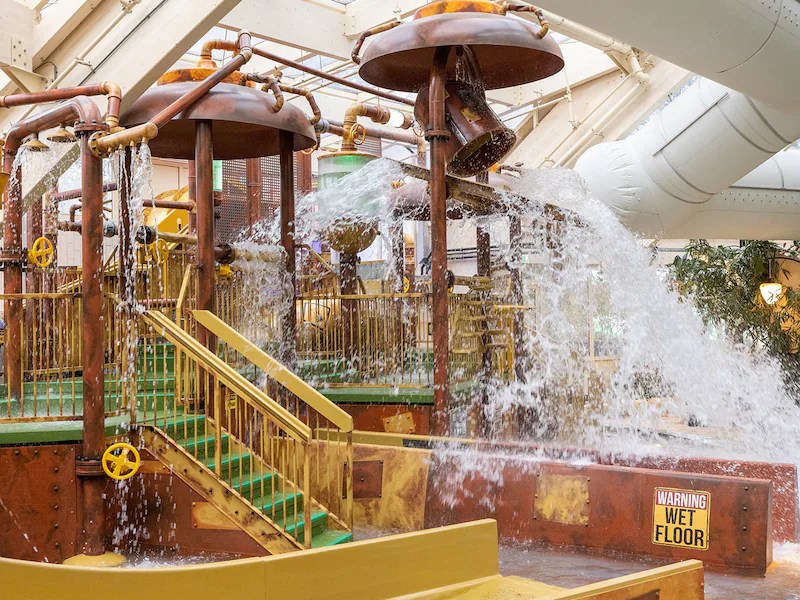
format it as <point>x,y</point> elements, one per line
<point>570,569</point>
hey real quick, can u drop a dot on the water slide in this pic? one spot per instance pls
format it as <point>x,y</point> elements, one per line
<point>712,162</point>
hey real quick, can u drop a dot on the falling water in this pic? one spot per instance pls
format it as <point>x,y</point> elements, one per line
<point>591,272</point>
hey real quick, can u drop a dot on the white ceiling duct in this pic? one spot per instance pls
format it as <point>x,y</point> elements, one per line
<point>748,45</point>
<point>665,174</point>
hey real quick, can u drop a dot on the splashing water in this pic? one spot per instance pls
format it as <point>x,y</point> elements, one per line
<point>363,196</point>
<point>592,274</point>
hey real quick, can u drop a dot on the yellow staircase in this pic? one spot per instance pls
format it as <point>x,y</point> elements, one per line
<point>277,461</point>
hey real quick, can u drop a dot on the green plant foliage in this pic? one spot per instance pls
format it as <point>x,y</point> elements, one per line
<point>724,283</point>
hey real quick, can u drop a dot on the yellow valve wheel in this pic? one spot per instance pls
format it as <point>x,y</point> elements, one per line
<point>406,284</point>
<point>42,252</point>
<point>224,271</point>
<point>158,252</point>
<point>116,463</point>
<point>359,133</point>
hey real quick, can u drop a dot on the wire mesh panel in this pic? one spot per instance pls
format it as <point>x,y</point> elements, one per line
<point>234,214</point>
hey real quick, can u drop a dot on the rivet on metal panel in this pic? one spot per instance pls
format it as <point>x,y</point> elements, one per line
<point>16,452</point>
<point>55,526</point>
<point>55,506</point>
<point>55,469</point>
<point>744,527</point>
<point>55,488</point>
<point>744,548</point>
<point>36,453</point>
<point>746,489</point>
<point>744,508</point>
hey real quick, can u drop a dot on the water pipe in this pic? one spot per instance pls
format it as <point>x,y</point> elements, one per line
<point>323,75</point>
<point>351,129</point>
<point>621,53</point>
<point>438,135</point>
<point>111,90</point>
<point>78,192</point>
<point>102,145</point>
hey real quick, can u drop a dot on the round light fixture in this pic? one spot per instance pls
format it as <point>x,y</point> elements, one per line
<point>771,292</point>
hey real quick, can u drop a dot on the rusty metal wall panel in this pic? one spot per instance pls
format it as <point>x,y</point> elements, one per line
<point>371,417</point>
<point>784,478</point>
<point>620,507</point>
<point>160,508</point>
<point>38,494</point>
<point>367,478</point>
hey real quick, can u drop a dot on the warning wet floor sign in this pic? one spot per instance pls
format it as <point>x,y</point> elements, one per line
<point>681,518</point>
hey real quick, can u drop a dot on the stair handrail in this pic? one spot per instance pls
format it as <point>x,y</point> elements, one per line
<point>277,371</point>
<point>226,374</point>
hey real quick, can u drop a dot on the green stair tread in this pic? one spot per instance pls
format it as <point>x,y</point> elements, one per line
<point>319,519</point>
<point>234,460</point>
<point>330,537</point>
<point>243,483</point>
<point>281,501</point>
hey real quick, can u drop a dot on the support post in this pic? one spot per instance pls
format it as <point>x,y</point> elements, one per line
<point>12,277</point>
<point>288,242</point>
<point>192,189</point>
<point>348,285</point>
<point>204,172</point>
<point>253,176</point>
<point>33,285</point>
<point>477,422</point>
<point>437,136</point>
<point>88,465</point>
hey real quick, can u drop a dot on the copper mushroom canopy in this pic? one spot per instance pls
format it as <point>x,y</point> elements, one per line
<point>507,49</point>
<point>244,123</point>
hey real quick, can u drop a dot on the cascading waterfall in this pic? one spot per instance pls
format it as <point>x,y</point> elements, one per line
<point>593,273</point>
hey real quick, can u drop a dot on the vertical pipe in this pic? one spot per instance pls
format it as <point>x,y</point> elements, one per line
<point>12,277</point>
<point>253,176</point>
<point>204,172</point>
<point>192,185</point>
<point>33,285</point>
<point>93,333</point>
<point>484,269</point>
<point>348,285</point>
<point>438,135</point>
<point>287,239</point>
<point>513,417</point>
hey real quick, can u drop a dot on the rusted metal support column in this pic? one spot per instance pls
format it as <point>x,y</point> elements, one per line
<point>476,424</point>
<point>398,252</point>
<point>288,242</point>
<point>348,285</point>
<point>88,465</point>
<point>253,176</point>
<point>12,277</point>
<point>204,170</point>
<point>33,284</point>
<point>192,189</point>
<point>516,418</point>
<point>437,136</point>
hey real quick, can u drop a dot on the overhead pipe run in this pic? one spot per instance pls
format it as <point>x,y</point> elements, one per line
<point>103,145</point>
<point>659,178</point>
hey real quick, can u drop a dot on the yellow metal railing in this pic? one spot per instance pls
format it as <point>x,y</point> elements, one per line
<point>331,427</point>
<point>269,450</point>
<point>50,365</point>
